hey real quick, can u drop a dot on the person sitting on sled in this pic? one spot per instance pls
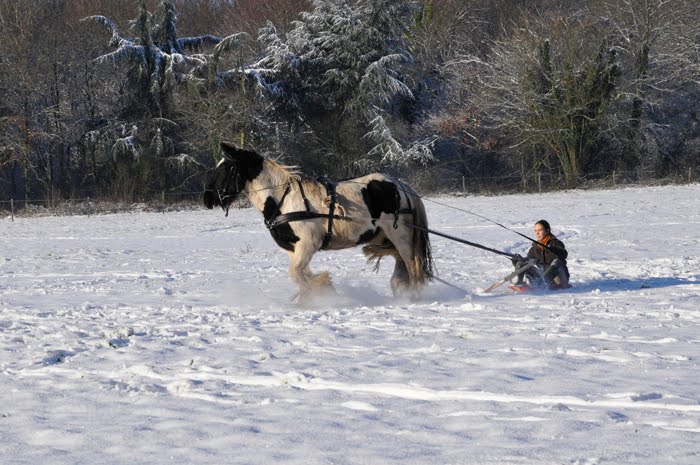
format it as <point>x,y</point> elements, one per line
<point>549,257</point>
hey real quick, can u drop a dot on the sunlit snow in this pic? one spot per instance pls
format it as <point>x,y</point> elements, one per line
<point>171,338</point>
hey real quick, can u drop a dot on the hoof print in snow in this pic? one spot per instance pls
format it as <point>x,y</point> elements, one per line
<point>618,417</point>
<point>56,357</point>
<point>120,338</point>
<point>561,408</point>
<point>648,396</point>
<point>118,343</point>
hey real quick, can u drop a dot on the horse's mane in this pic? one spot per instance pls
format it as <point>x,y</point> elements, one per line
<point>288,172</point>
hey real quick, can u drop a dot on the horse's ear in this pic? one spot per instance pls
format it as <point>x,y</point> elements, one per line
<point>233,153</point>
<point>229,151</point>
<point>249,163</point>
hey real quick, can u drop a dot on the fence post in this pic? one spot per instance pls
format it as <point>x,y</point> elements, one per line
<point>539,182</point>
<point>88,206</point>
<point>464,185</point>
<point>12,209</point>
<point>690,175</point>
<point>614,183</point>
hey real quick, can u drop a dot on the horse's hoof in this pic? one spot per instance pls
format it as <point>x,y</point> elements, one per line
<point>323,279</point>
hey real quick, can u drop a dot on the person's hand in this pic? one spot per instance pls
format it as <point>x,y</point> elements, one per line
<point>516,258</point>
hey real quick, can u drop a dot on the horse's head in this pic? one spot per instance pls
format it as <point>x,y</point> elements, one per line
<point>234,170</point>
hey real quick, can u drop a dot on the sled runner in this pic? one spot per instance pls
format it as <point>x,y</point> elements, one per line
<point>527,288</point>
<point>508,277</point>
<point>520,288</point>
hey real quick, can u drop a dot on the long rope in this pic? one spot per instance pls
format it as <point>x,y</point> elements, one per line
<point>483,218</point>
<point>487,219</point>
<point>457,239</point>
<point>449,284</point>
<point>534,241</point>
<point>448,236</point>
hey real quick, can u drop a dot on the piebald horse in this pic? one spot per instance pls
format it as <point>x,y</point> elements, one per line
<point>304,215</point>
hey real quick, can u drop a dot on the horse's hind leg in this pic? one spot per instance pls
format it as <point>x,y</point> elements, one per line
<point>413,280</point>
<point>400,280</point>
<point>309,283</point>
<point>403,281</point>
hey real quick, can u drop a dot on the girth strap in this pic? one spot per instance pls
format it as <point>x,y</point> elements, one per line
<point>330,192</point>
<point>299,216</point>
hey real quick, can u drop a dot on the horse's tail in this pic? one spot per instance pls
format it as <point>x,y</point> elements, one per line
<point>422,265</point>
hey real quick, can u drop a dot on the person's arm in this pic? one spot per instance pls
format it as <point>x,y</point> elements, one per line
<point>557,248</point>
<point>532,253</point>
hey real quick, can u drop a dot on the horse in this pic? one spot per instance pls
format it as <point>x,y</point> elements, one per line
<point>305,215</point>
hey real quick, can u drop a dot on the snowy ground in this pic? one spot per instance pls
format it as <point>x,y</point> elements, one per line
<point>171,338</point>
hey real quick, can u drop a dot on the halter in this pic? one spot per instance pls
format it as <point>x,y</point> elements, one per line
<point>222,193</point>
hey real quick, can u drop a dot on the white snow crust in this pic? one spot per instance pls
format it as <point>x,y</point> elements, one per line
<point>171,338</point>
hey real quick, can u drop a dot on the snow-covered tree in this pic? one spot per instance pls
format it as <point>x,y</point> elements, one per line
<point>658,49</point>
<point>340,69</point>
<point>156,62</point>
<point>550,92</point>
<point>156,58</point>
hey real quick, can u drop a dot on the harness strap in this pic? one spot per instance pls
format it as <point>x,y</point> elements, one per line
<point>283,218</point>
<point>284,196</point>
<point>299,216</point>
<point>223,197</point>
<point>400,211</point>
<point>330,191</point>
<point>303,196</point>
<point>278,209</point>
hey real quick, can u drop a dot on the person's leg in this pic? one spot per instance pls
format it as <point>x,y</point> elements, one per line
<point>535,277</point>
<point>556,274</point>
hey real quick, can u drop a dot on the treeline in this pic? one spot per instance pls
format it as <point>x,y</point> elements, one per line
<point>124,99</point>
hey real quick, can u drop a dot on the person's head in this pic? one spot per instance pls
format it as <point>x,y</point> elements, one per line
<point>542,230</point>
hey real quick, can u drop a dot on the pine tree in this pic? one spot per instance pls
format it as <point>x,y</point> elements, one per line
<point>142,142</point>
<point>339,72</point>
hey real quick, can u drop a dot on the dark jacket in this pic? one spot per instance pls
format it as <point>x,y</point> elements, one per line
<point>545,256</point>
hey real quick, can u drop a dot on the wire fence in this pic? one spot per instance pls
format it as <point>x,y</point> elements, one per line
<point>153,202</point>
<point>543,182</point>
<point>425,182</point>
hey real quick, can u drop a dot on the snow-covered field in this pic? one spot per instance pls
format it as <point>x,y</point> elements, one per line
<point>170,338</point>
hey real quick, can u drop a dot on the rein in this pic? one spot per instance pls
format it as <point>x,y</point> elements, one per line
<point>279,218</point>
<point>462,241</point>
<point>535,241</point>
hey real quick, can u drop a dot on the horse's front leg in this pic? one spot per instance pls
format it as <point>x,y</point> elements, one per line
<point>310,284</point>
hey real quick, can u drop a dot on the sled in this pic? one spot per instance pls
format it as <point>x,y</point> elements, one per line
<point>510,276</point>
<point>526,288</point>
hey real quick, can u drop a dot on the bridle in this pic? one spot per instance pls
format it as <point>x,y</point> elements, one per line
<point>223,194</point>
<point>233,175</point>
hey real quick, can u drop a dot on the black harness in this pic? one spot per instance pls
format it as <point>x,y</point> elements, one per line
<point>279,218</point>
<point>223,193</point>
<point>400,210</point>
